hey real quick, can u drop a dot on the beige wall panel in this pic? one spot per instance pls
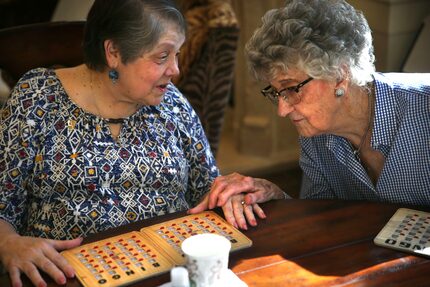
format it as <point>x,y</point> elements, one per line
<point>259,131</point>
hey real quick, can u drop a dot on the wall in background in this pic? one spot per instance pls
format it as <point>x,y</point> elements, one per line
<point>418,60</point>
<point>72,10</point>
<point>395,25</point>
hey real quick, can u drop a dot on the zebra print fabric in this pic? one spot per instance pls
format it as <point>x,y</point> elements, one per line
<point>208,83</point>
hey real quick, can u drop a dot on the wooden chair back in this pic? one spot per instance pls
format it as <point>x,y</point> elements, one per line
<point>46,44</point>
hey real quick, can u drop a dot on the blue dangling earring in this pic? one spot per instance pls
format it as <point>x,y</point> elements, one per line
<point>113,75</point>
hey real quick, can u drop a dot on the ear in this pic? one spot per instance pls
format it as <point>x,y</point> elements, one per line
<point>343,82</point>
<point>113,57</point>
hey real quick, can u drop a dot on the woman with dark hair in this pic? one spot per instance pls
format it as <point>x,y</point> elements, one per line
<point>99,145</point>
<point>363,135</point>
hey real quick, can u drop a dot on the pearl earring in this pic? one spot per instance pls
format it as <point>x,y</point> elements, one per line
<point>339,92</point>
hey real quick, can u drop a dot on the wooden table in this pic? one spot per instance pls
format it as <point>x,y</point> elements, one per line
<point>311,243</point>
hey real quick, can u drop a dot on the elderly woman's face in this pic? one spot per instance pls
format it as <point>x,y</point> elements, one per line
<point>144,81</point>
<point>318,110</point>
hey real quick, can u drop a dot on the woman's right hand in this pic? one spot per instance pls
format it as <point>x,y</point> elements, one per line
<point>28,255</point>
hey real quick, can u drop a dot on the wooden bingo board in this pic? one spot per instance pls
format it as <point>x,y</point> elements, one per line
<point>170,234</point>
<point>126,258</point>
<point>117,261</point>
<point>407,230</point>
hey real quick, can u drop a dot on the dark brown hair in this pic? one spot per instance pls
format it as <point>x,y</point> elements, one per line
<point>134,26</point>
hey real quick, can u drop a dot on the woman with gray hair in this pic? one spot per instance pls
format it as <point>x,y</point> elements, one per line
<point>363,135</point>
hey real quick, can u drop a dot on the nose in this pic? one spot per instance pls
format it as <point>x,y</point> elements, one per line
<point>173,68</point>
<point>284,108</point>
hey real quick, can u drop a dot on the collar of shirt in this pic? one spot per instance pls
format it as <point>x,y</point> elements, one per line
<point>386,110</point>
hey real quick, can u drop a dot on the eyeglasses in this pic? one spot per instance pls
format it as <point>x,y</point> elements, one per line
<point>290,94</point>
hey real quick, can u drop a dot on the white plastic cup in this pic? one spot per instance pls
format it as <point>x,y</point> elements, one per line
<point>207,259</point>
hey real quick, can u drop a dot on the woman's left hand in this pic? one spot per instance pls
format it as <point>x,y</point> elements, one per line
<point>238,213</point>
<point>239,195</point>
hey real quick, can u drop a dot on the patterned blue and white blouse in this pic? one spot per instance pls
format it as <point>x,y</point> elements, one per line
<point>62,175</point>
<point>401,133</point>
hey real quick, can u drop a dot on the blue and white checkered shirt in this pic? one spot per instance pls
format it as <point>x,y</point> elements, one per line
<point>401,133</point>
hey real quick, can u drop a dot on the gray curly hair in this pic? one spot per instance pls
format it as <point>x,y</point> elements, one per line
<point>327,39</point>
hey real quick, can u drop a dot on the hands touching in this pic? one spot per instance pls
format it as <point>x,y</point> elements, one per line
<point>29,255</point>
<point>239,196</point>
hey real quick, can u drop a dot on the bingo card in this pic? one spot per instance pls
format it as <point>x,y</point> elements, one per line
<point>129,257</point>
<point>407,230</point>
<point>170,234</point>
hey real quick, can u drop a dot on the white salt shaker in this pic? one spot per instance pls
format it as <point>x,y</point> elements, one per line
<point>179,277</point>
